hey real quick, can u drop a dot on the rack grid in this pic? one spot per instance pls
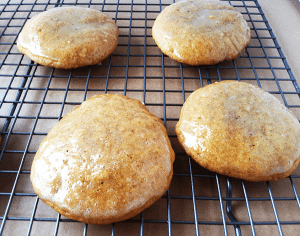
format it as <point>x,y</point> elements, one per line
<point>34,97</point>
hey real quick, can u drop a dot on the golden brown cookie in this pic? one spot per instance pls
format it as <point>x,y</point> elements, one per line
<point>201,32</point>
<point>105,161</point>
<point>68,37</point>
<point>240,130</point>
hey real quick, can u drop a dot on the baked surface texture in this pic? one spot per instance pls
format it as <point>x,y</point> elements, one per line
<point>105,161</point>
<point>68,37</point>
<point>239,130</point>
<point>201,32</point>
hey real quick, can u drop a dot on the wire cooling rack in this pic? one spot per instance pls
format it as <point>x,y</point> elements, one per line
<point>34,97</point>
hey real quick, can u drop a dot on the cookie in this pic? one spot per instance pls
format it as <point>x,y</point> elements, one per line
<point>105,161</point>
<point>68,37</point>
<point>239,130</point>
<point>201,32</point>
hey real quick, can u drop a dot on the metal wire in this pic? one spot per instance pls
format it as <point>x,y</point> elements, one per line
<point>33,98</point>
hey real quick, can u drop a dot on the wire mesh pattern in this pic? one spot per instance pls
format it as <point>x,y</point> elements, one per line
<point>34,97</point>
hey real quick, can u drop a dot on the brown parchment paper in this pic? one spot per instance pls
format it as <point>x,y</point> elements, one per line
<point>174,214</point>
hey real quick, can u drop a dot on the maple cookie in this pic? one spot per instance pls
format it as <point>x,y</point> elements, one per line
<point>105,161</point>
<point>201,32</point>
<point>239,130</point>
<point>68,37</point>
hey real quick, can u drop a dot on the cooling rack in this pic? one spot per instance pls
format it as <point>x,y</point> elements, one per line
<point>34,97</point>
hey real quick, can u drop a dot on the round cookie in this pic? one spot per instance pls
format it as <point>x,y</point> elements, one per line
<point>105,161</point>
<point>239,130</point>
<point>68,37</point>
<point>201,32</point>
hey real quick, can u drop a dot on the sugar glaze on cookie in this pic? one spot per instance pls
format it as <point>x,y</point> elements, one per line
<point>239,130</point>
<point>105,161</point>
<point>199,32</point>
<point>68,37</point>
